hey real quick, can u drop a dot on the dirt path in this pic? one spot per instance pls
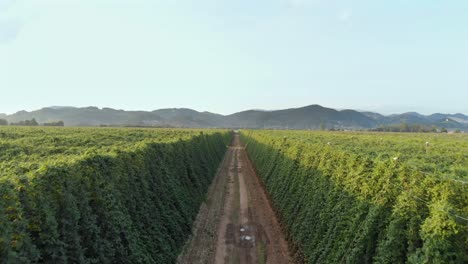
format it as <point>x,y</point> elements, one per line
<point>237,223</point>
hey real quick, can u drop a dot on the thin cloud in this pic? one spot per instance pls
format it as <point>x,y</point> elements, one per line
<point>5,4</point>
<point>345,15</point>
<point>301,3</point>
<point>296,3</point>
<point>10,24</point>
<point>9,29</point>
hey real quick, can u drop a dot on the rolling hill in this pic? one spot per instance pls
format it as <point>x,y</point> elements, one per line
<point>308,117</point>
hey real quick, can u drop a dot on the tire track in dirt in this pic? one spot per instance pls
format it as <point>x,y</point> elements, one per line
<point>224,247</point>
<point>274,245</point>
<point>204,236</point>
<point>237,224</point>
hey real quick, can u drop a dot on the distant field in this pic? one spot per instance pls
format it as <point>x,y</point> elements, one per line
<point>25,149</point>
<point>102,195</point>
<point>445,155</point>
<point>367,197</point>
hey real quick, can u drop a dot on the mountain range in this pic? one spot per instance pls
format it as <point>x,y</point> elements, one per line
<point>308,117</point>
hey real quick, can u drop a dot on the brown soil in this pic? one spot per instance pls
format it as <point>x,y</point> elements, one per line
<point>237,223</point>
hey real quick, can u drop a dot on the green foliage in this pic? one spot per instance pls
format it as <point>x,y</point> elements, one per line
<point>405,127</point>
<point>3,122</point>
<point>57,123</point>
<point>76,195</point>
<point>31,122</point>
<point>367,197</point>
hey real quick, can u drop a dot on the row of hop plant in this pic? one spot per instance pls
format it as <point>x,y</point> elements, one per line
<point>342,205</point>
<point>134,205</point>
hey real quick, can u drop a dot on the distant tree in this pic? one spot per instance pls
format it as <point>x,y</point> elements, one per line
<point>3,122</point>
<point>323,126</point>
<point>20,123</point>
<point>443,130</point>
<point>31,122</point>
<point>404,127</point>
<point>457,131</point>
<point>57,123</point>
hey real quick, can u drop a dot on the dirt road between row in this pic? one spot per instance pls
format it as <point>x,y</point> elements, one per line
<point>237,223</point>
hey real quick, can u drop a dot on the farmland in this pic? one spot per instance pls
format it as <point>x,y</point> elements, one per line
<point>366,197</point>
<point>88,195</point>
<point>126,195</point>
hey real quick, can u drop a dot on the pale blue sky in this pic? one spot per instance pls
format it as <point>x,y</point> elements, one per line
<point>226,56</point>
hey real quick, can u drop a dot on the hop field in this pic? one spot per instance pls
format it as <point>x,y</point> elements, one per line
<point>26,149</point>
<point>113,195</point>
<point>367,197</point>
<point>93,195</point>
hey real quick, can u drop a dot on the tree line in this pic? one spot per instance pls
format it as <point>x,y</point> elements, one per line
<point>412,128</point>
<point>32,122</point>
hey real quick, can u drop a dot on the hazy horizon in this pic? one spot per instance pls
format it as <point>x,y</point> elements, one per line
<point>203,110</point>
<point>224,57</point>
